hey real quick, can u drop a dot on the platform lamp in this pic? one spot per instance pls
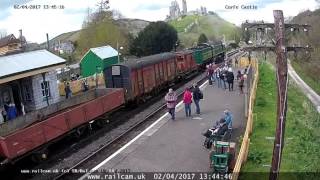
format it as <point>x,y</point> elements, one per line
<point>119,48</point>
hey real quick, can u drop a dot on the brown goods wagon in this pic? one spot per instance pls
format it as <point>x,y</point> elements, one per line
<point>26,139</point>
<point>141,77</point>
<point>185,62</point>
<point>22,141</point>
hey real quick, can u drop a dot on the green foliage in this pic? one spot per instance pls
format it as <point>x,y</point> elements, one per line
<point>101,33</point>
<point>302,137</point>
<point>308,73</point>
<point>308,68</point>
<point>202,38</point>
<point>255,156</point>
<point>157,37</point>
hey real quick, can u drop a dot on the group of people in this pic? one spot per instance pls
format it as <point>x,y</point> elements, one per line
<point>224,75</point>
<point>190,95</point>
<point>9,112</point>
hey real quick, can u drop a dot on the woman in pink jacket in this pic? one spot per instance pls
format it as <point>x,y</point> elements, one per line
<point>187,100</point>
<point>171,99</point>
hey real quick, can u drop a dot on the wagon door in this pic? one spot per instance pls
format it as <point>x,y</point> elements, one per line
<point>161,73</point>
<point>157,75</point>
<point>181,64</point>
<point>140,81</point>
<point>165,71</point>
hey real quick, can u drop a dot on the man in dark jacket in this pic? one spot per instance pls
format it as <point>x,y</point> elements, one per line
<point>230,79</point>
<point>197,95</point>
<point>67,90</point>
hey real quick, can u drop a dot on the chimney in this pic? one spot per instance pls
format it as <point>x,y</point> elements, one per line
<point>20,37</point>
<point>48,47</point>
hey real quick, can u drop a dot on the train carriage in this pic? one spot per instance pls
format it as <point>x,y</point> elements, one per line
<point>185,63</point>
<point>142,77</point>
<point>208,53</point>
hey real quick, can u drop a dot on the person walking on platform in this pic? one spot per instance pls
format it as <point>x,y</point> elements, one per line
<point>171,99</point>
<point>197,96</point>
<point>217,74</point>
<point>239,75</point>
<point>187,100</point>
<point>236,62</point>
<point>210,73</point>
<point>230,79</point>
<point>241,83</point>
<point>67,90</point>
<point>224,77</point>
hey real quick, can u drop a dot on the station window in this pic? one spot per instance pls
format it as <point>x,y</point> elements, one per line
<point>45,88</point>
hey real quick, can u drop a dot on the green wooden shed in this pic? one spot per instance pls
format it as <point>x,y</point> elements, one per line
<point>96,59</point>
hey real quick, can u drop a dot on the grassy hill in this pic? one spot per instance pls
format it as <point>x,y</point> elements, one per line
<point>119,28</point>
<point>68,36</point>
<point>190,27</point>
<point>308,69</point>
<point>133,26</point>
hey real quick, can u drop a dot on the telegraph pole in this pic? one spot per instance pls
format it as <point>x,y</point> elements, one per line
<point>282,76</point>
<point>282,88</point>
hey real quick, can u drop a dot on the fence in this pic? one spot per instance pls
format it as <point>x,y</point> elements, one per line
<point>77,85</point>
<point>252,82</point>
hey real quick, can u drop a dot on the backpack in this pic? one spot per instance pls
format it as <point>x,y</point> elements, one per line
<point>200,95</point>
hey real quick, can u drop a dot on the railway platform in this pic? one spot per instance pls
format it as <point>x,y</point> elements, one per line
<point>177,145</point>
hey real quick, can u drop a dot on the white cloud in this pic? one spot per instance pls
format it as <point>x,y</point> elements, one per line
<point>36,23</point>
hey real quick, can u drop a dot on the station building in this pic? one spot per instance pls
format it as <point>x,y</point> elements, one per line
<point>29,80</point>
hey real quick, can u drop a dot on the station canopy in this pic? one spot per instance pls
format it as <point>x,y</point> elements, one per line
<point>27,64</point>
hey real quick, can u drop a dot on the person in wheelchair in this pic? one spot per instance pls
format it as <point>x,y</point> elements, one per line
<point>218,130</point>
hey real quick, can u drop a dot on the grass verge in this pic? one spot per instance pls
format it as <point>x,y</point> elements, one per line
<point>314,83</point>
<point>302,137</point>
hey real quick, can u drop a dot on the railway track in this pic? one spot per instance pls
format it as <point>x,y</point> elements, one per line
<point>83,164</point>
<point>86,163</point>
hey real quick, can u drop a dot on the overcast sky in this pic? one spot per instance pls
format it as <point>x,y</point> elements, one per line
<point>36,23</point>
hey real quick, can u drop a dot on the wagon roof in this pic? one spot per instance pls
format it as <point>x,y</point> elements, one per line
<point>148,60</point>
<point>185,52</point>
<point>104,52</point>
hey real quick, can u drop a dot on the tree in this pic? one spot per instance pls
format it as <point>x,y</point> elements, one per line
<point>202,38</point>
<point>156,38</point>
